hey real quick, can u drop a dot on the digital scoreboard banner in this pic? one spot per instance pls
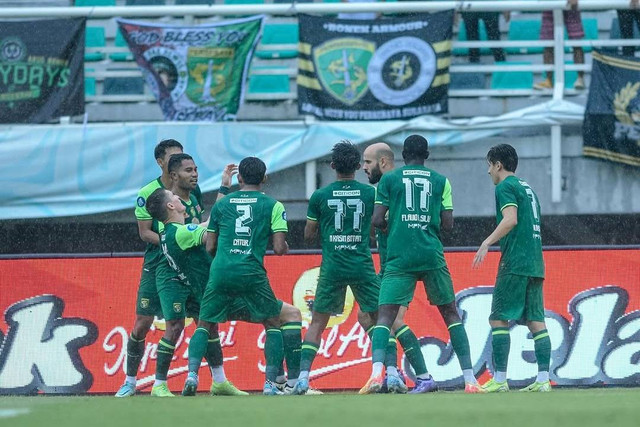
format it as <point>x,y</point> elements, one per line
<point>66,321</point>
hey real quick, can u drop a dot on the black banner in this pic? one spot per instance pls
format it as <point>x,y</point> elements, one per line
<point>41,69</point>
<point>611,128</point>
<point>382,69</point>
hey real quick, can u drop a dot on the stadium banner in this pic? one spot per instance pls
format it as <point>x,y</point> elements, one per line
<point>41,69</point>
<point>611,128</point>
<point>197,73</point>
<point>66,322</point>
<point>65,170</point>
<point>388,69</point>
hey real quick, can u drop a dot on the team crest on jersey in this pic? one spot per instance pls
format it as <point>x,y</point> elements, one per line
<point>177,307</point>
<point>144,302</point>
<point>192,227</point>
<point>284,215</point>
<point>141,201</point>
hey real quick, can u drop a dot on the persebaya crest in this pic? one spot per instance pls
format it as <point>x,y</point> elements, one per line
<point>209,73</point>
<point>342,67</point>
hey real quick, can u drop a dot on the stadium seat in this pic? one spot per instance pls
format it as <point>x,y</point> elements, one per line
<point>570,76</point>
<point>462,36</point>
<point>269,83</point>
<point>590,26</point>
<point>467,81</point>
<point>278,41</point>
<point>95,3</point>
<point>94,38</point>
<point>524,30</point>
<point>123,86</point>
<point>89,84</point>
<point>121,56</point>
<point>512,79</point>
<point>146,2</point>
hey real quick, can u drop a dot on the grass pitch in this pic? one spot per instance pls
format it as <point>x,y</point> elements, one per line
<point>562,407</point>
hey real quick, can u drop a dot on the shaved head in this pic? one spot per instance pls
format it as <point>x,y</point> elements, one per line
<point>378,159</point>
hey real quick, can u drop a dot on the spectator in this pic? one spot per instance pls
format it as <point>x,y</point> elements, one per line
<point>358,15</point>
<point>492,24</point>
<point>625,20</point>
<point>573,23</point>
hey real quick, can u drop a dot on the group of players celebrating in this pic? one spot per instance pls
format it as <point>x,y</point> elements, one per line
<point>213,271</point>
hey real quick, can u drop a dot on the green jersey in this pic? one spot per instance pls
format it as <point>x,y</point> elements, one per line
<point>182,245</point>
<point>522,247</point>
<point>343,211</point>
<point>244,220</point>
<point>415,196</point>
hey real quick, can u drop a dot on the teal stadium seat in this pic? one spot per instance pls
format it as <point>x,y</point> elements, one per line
<point>512,79</point>
<point>462,36</point>
<point>95,3</point>
<point>278,41</point>
<point>145,2</point>
<point>590,26</point>
<point>467,81</point>
<point>121,56</point>
<point>570,76</point>
<point>94,37</point>
<point>269,83</point>
<point>524,30</point>
<point>123,86</point>
<point>89,83</point>
<point>200,2</point>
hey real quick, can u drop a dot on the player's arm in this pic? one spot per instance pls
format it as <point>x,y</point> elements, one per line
<point>211,242</point>
<point>227,176</point>
<point>379,216</point>
<point>312,226</point>
<point>146,233</point>
<point>280,245</point>
<point>310,231</point>
<point>509,221</point>
<point>446,214</point>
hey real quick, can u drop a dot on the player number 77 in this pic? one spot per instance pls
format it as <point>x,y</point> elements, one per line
<point>341,207</point>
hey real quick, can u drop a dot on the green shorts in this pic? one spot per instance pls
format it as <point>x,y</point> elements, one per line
<point>517,298</point>
<point>330,294</point>
<point>179,301</point>
<point>398,287</point>
<point>246,298</point>
<point>147,301</point>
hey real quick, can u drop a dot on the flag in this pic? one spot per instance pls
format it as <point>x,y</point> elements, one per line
<point>196,73</point>
<point>41,69</point>
<point>611,127</point>
<point>390,68</point>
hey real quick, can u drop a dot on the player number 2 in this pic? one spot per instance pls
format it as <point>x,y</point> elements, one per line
<point>534,203</point>
<point>341,207</point>
<point>424,186</point>
<point>242,229</point>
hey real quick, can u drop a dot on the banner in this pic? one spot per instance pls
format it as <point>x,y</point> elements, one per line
<point>65,324</point>
<point>196,73</point>
<point>41,69</point>
<point>391,68</point>
<point>611,127</point>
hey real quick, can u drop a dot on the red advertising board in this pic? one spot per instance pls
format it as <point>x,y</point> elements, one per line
<point>66,321</point>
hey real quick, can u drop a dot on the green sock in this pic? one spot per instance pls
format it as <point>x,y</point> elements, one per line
<point>542,345</point>
<point>135,351</point>
<point>273,353</point>
<point>411,347</point>
<point>214,352</point>
<point>292,340</point>
<point>379,343</point>
<point>198,347</point>
<point>308,353</point>
<point>460,343</point>
<point>501,343</point>
<point>165,354</point>
<point>391,357</point>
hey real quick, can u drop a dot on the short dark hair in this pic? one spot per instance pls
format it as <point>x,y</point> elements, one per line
<point>345,157</point>
<point>505,154</point>
<point>252,170</point>
<point>157,204</point>
<point>175,161</point>
<point>416,147</point>
<point>161,148</point>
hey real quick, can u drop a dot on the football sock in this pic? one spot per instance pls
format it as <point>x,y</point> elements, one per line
<point>198,348</point>
<point>218,374</point>
<point>130,380</point>
<point>500,376</point>
<point>273,352</point>
<point>379,343</point>
<point>542,347</point>
<point>309,351</point>
<point>468,376</point>
<point>460,343</point>
<point>165,354</point>
<point>214,353</point>
<point>501,343</point>
<point>292,341</point>
<point>157,382</point>
<point>391,357</point>
<point>377,369</point>
<point>392,370</point>
<point>135,351</point>
<point>411,346</point>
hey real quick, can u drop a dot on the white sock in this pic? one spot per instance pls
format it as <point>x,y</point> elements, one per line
<point>543,377</point>
<point>469,377</point>
<point>377,369</point>
<point>292,382</point>
<point>130,380</point>
<point>281,379</point>
<point>500,376</point>
<point>218,374</point>
<point>424,376</point>
<point>392,370</point>
<point>156,383</point>
<point>304,375</point>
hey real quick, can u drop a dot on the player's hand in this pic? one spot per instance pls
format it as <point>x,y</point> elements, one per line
<point>227,174</point>
<point>479,258</point>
